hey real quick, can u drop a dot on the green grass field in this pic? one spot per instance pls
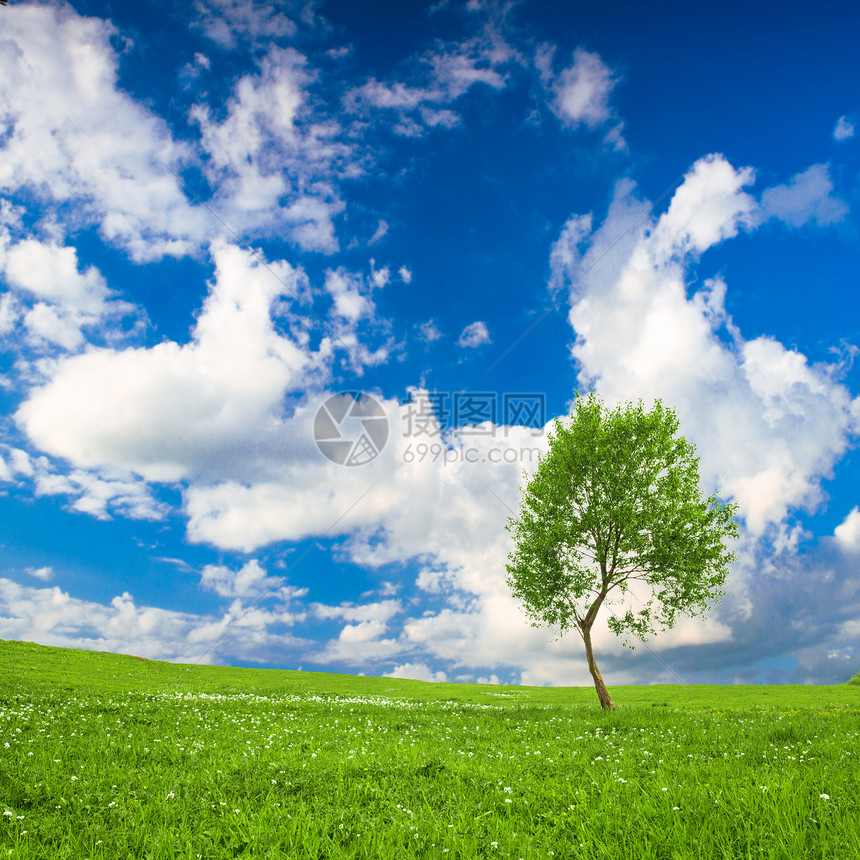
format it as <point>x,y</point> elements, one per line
<point>105,756</point>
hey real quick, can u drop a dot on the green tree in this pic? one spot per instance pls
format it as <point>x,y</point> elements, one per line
<point>616,498</point>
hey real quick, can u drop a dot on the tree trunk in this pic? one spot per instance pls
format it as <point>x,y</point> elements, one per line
<point>602,693</point>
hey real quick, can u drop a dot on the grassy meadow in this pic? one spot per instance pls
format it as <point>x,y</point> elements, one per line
<point>106,756</point>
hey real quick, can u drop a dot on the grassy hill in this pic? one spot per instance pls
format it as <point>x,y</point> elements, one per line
<point>25,665</point>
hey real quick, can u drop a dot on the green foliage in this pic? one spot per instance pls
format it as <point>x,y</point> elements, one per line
<point>616,498</point>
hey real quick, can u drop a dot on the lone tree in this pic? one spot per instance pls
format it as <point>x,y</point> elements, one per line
<point>616,498</point>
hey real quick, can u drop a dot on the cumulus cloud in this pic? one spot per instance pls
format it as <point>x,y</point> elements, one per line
<point>379,277</point>
<point>270,162</point>
<point>50,616</point>
<point>75,137</point>
<point>300,494</point>
<point>768,425</point>
<point>565,253</point>
<point>416,672</point>
<point>580,93</point>
<point>844,129</point>
<point>353,312</point>
<point>17,463</point>
<point>99,494</point>
<point>51,272</point>
<point>358,644</point>
<point>47,323</point>
<point>360,640</point>
<point>583,90</point>
<point>429,331</point>
<point>247,582</point>
<point>171,411</point>
<point>807,198</point>
<point>67,299</point>
<point>380,612</point>
<point>43,573</point>
<point>349,294</point>
<point>709,207</point>
<point>474,335</point>
<point>847,533</point>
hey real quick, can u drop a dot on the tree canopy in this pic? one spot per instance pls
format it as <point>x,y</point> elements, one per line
<point>616,498</point>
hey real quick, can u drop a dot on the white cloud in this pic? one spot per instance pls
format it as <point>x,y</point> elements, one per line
<point>99,495</point>
<point>379,233</point>
<point>18,463</point>
<point>51,273</point>
<point>806,198</point>
<point>358,644</point>
<point>709,207</point>
<point>374,93</point>
<point>364,631</point>
<point>171,411</point>
<point>271,164</point>
<point>580,94</point>
<point>43,573</point>
<point>405,275</point>
<point>582,90</point>
<point>458,71</point>
<point>67,299</point>
<point>474,335</point>
<point>54,326</point>
<point>50,616</point>
<point>76,138</point>
<point>416,672</point>
<point>379,613</point>
<point>289,505</point>
<point>250,581</point>
<point>565,254</point>
<point>442,76</point>
<point>844,129</point>
<point>353,310</point>
<point>434,581</point>
<point>379,278</point>
<point>230,23</point>
<point>768,425</point>
<point>8,313</point>
<point>429,331</point>
<point>848,531</point>
<point>349,293</point>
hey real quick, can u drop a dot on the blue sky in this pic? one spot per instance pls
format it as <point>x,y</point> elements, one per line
<point>216,216</point>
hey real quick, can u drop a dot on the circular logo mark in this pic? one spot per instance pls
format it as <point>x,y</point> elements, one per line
<point>351,428</point>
